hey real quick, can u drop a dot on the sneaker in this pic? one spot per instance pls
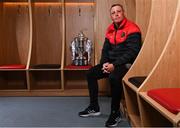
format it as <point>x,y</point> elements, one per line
<point>114,119</point>
<point>90,111</point>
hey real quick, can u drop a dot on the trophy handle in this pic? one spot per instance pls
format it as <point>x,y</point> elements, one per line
<point>73,49</point>
<point>89,49</point>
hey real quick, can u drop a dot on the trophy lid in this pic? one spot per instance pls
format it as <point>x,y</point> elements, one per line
<point>81,36</point>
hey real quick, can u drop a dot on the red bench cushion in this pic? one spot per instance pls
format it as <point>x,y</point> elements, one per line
<point>167,97</point>
<point>78,67</point>
<point>13,66</point>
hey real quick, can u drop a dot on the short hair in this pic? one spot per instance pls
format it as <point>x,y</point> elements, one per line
<point>117,5</point>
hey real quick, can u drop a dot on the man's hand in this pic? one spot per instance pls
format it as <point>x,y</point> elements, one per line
<point>107,67</point>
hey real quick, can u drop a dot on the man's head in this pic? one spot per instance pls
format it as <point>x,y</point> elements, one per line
<point>117,13</point>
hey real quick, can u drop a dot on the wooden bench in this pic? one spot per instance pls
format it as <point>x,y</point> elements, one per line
<point>158,31</point>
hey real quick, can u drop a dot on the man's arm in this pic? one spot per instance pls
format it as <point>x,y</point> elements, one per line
<point>133,43</point>
<point>105,53</point>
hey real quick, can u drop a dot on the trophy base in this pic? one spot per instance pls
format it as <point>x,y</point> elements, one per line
<point>80,62</point>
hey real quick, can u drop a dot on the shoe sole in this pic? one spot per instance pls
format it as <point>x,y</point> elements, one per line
<point>114,125</point>
<point>91,114</point>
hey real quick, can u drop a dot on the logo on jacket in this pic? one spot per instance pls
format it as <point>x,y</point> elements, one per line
<point>123,34</point>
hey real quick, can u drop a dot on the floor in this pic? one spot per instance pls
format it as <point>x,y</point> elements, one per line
<point>51,112</point>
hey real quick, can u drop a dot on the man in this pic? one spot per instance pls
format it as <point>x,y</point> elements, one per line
<point>122,45</point>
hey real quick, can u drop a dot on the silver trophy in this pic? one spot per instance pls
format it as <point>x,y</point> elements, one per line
<point>81,48</point>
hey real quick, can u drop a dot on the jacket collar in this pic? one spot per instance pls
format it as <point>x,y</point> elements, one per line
<point>121,25</point>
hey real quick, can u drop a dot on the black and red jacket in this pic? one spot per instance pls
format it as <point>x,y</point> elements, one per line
<point>122,44</point>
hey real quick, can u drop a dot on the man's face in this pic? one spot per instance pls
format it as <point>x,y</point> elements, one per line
<point>117,14</point>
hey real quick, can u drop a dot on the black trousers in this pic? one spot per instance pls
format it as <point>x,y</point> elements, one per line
<point>115,80</point>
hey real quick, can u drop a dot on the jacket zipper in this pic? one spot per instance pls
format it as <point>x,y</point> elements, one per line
<point>115,37</point>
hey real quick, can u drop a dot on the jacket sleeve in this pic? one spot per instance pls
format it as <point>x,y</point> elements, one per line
<point>105,52</point>
<point>133,44</point>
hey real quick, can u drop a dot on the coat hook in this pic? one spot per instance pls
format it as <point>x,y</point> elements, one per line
<point>79,8</point>
<point>79,11</point>
<point>19,10</point>
<point>60,11</point>
<point>49,10</point>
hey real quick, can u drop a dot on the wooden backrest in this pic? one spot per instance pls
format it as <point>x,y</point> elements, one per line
<point>166,72</point>
<point>160,24</point>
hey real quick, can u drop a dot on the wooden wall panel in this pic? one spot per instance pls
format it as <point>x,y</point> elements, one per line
<point>47,34</point>
<point>42,1</point>
<point>14,0</point>
<point>130,6</point>
<point>143,12</point>
<point>9,45</point>
<point>22,34</point>
<point>78,18</point>
<point>1,32</point>
<point>14,34</point>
